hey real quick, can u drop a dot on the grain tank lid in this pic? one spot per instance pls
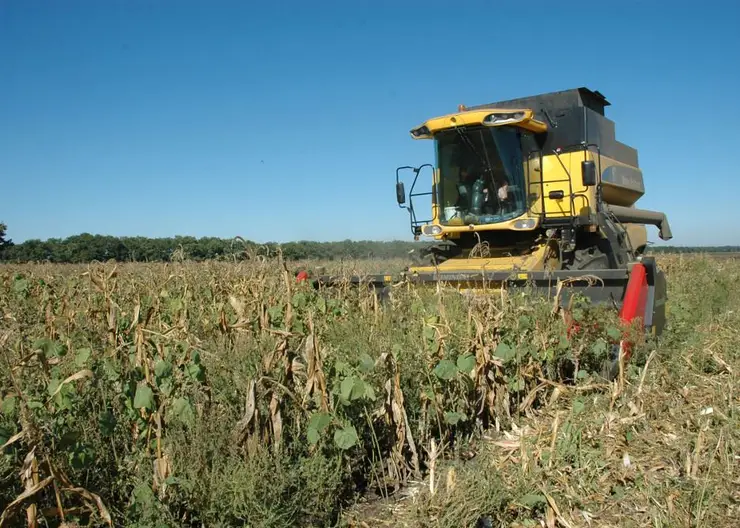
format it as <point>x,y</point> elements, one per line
<point>576,97</point>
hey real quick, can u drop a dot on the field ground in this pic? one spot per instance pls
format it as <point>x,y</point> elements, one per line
<point>217,394</point>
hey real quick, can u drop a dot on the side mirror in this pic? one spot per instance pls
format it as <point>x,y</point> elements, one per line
<point>400,193</point>
<point>588,172</point>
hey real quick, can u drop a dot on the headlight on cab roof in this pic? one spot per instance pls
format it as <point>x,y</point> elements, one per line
<point>500,118</point>
<point>421,132</point>
<point>431,230</point>
<point>525,224</point>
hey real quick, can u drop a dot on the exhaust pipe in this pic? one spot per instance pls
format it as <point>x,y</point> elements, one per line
<point>629,215</point>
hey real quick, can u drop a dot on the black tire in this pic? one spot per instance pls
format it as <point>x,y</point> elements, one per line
<point>590,258</point>
<point>433,255</point>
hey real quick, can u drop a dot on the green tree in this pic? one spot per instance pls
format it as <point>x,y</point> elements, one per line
<point>4,242</point>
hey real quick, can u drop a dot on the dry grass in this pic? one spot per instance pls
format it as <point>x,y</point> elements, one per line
<point>224,394</point>
<point>660,450</point>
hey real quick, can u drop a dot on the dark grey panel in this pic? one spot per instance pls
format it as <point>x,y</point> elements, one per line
<point>573,116</point>
<point>609,288</point>
<point>626,177</point>
<point>550,102</point>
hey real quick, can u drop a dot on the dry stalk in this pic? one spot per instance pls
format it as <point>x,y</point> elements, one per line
<point>554,437</point>
<point>432,453</point>
<point>288,293</point>
<point>644,371</point>
<point>315,378</point>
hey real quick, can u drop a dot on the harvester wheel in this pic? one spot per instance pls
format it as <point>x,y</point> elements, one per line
<point>590,258</point>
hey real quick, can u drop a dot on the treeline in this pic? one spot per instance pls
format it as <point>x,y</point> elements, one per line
<point>87,248</point>
<point>697,249</point>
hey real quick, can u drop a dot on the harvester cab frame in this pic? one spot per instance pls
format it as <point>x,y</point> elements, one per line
<point>535,193</point>
<point>401,197</point>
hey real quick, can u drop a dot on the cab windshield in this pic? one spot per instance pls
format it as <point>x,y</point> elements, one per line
<point>481,175</point>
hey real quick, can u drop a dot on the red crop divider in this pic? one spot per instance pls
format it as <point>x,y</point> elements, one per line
<point>635,303</point>
<point>633,308</point>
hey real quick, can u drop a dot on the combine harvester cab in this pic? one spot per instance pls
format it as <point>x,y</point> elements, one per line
<point>534,193</point>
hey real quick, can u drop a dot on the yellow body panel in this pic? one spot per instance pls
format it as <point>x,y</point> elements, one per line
<point>476,117</point>
<point>556,179</point>
<point>531,262</point>
<point>502,226</point>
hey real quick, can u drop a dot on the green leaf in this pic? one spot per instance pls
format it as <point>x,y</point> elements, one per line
<point>64,398</point>
<point>196,372</point>
<point>319,421</point>
<point>525,322</point>
<point>346,388</point>
<point>516,384</point>
<point>8,406</point>
<point>340,367</point>
<point>111,369</point>
<point>81,456</point>
<point>617,491</point>
<point>53,385</point>
<point>504,352</point>
<point>564,343</point>
<point>183,411</point>
<point>578,407</point>
<point>352,388</point>
<point>358,389</point>
<point>166,386</point>
<point>614,333</point>
<point>445,369</point>
<point>429,333</point>
<point>313,436</point>
<point>533,499</point>
<point>5,434</point>
<point>20,285</point>
<point>144,397</point>
<point>369,392</point>
<point>466,362</point>
<point>582,374</point>
<point>299,300</point>
<point>453,418</point>
<point>275,314</point>
<point>175,305</point>
<point>83,354</point>
<point>366,363</point>
<point>50,348</point>
<point>316,424</point>
<point>321,305</point>
<point>599,348</point>
<point>346,437</point>
<point>107,423</point>
<point>162,368</point>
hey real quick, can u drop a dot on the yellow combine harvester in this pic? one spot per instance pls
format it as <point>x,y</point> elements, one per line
<point>532,191</point>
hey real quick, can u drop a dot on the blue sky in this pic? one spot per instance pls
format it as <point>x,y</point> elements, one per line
<point>286,121</point>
